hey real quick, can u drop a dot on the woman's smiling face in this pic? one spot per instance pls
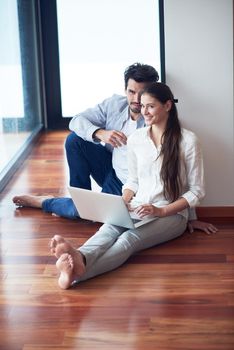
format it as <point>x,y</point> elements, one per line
<point>153,111</point>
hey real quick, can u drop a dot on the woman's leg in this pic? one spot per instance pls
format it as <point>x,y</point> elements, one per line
<point>131,241</point>
<point>71,262</point>
<point>111,246</point>
<point>93,248</point>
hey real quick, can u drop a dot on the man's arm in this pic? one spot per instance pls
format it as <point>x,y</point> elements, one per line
<point>113,137</point>
<point>86,123</point>
<point>102,116</point>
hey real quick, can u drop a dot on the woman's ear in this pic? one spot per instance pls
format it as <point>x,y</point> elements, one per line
<point>168,105</point>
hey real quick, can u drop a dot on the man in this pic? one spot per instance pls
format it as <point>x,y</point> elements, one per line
<point>97,146</point>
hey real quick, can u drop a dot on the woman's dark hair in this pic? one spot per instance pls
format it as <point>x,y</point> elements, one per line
<point>170,151</point>
<point>140,73</point>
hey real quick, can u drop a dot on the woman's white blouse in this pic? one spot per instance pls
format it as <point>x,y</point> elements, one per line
<point>144,167</point>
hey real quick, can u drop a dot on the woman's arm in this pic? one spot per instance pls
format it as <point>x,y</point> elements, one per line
<point>206,227</point>
<point>132,180</point>
<point>127,195</point>
<point>193,181</point>
<point>170,209</point>
<point>194,170</point>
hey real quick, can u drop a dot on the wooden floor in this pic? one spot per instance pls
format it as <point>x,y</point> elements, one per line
<point>179,295</point>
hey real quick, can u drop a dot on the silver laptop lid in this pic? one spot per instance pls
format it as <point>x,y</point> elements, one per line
<point>101,207</point>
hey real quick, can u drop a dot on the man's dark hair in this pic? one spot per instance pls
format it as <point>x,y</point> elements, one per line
<point>140,73</point>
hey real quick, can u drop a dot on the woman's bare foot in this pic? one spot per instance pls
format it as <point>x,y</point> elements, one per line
<point>65,266</point>
<point>30,201</point>
<point>58,246</point>
<point>70,261</point>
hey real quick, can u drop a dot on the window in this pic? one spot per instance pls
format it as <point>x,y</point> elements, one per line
<point>97,41</point>
<point>59,57</point>
<point>20,102</point>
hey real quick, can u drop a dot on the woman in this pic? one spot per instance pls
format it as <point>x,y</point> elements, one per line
<point>165,178</point>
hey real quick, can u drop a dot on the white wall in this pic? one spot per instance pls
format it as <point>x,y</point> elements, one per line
<point>199,69</point>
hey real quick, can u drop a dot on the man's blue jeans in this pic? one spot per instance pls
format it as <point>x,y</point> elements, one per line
<point>85,159</point>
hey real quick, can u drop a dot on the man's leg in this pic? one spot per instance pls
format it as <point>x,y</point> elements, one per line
<point>65,207</point>
<point>112,184</point>
<point>61,206</point>
<point>86,158</point>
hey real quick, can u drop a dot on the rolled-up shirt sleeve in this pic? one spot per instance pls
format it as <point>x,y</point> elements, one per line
<point>110,114</point>
<point>195,172</point>
<point>83,127</point>
<point>86,123</point>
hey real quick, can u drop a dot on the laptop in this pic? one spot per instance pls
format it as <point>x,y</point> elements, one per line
<point>105,208</point>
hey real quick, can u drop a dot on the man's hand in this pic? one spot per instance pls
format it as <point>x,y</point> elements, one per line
<point>113,137</point>
<point>201,225</point>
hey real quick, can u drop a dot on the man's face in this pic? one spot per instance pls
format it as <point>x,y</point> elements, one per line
<point>133,93</point>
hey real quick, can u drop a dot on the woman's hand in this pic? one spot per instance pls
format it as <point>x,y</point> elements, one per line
<point>202,226</point>
<point>127,196</point>
<point>148,209</point>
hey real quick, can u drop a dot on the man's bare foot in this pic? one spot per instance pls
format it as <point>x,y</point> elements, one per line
<point>30,201</point>
<point>65,266</point>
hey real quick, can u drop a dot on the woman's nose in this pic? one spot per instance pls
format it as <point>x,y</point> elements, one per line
<point>144,110</point>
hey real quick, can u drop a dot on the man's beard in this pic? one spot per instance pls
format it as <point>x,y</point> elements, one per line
<point>134,108</point>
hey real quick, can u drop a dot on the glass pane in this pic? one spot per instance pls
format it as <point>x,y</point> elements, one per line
<point>19,85</point>
<point>97,41</point>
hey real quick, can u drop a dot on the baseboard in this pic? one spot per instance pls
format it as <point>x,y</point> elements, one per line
<point>215,212</point>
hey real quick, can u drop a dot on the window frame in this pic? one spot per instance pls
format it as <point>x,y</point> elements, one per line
<point>29,22</point>
<point>49,25</point>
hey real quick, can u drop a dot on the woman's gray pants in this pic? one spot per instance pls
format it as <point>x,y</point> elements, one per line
<point>112,245</point>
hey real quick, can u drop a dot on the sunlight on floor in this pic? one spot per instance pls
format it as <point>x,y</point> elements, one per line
<point>10,143</point>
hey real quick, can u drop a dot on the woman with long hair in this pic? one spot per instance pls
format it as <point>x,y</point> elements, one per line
<point>165,178</point>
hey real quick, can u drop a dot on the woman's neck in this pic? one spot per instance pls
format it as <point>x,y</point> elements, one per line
<point>156,133</point>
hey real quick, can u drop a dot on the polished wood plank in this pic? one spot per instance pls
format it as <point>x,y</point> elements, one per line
<point>179,295</point>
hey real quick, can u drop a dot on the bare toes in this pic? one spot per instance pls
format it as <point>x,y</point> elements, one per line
<point>55,241</point>
<point>59,239</point>
<point>65,267</point>
<point>64,261</point>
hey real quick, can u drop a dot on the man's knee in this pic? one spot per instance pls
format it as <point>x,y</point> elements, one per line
<point>73,141</point>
